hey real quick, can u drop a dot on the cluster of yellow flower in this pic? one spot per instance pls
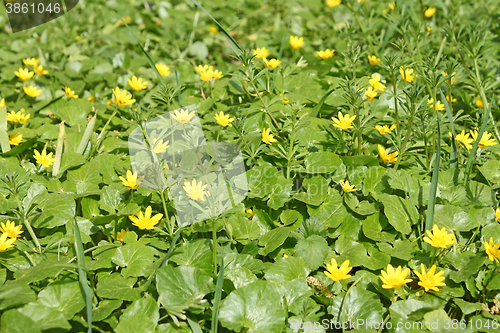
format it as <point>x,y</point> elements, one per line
<point>464,139</point>
<point>208,74</point>
<point>10,232</point>
<point>25,74</point>
<point>376,87</point>
<point>263,53</point>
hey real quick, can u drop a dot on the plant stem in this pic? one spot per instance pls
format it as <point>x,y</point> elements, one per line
<point>214,245</point>
<point>169,227</point>
<point>264,104</point>
<point>360,135</point>
<point>405,142</point>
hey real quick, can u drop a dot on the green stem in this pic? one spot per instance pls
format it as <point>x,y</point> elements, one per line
<point>27,225</point>
<point>360,135</point>
<point>214,245</point>
<point>264,104</point>
<point>396,111</point>
<point>169,227</point>
<point>405,142</point>
<point>340,141</point>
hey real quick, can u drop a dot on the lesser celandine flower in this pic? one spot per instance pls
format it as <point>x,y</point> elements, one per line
<point>159,146</point>
<point>486,139</point>
<point>120,234</point>
<point>31,62</point>
<point>267,137</point>
<point>392,5</point>
<point>123,97</point>
<point>296,42</point>
<point>451,80</point>
<point>325,54</point>
<point>385,129</point>
<point>44,159</point>
<point>394,279</point>
<point>24,74</point>
<point>15,139</point>
<point>338,273</point>
<point>375,82</point>
<point>439,106</point>
<point>386,157</point>
<point>261,53</point>
<point>137,84</point>
<point>346,187</point>
<point>131,181</point>
<point>272,64</point>
<point>479,103</point>
<point>32,91</point>
<point>407,74</point>
<point>6,243</point>
<point>70,93</point>
<point>18,117</point>
<point>497,214</point>
<point>492,250</point>
<point>344,122</point>
<point>223,119</point>
<point>39,70</point>
<point>430,280</point>
<point>373,60</point>
<point>429,12</point>
<point>145,221</point>
<point>333,3</point>
<point>370,93</point>
<point>284,99</point>
<point>210,75</point>
<point>439,238</point>
<point>451,98</point>
<point>91,99</point>
<point>183,116</point>
<point>11,229</point>
<point>463,139</point>
<point>213,30</point>
<point>164,70</point>
<point>195,190</point>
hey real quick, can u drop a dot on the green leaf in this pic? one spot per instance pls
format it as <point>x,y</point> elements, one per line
<point>63,296</point>
<point>273,239</point>
<point>316,191</point>
<point>359,304</point>
<point>110,199</point>
<point>322,162</point>
<point>312,226</point>
<point>70,160</point>
<point>398,212</point>
<point>243,229</point>
<point>280,193</point>
<point>85,179</point>
<point>240,276</point>
<point>453,218</point>
<point>181,288</point>
<point>313,250</point>
<point>137,259</point>
<point>196,253</point>
<point>491,171</point>
<point>105,308</point>
<point>75,112</point>
<point>44,316</point>
<point>138,323</point>
<point>14,295</point>
<point>44,269</point>
<point>13,321</point>
<point>118,287</point>
<point>55,211</point>
<point>402,249</point>
<point>256,306</point>
<point>287,269</point>
<point>331,211</point>
<point>373,228</point>
<point>360,207</point>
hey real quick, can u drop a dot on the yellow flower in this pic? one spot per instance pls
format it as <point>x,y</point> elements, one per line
<point>24,74</point>
<point>109,103</point>
<point>213,30</point>
<point>32,91</point>
<point>273,63</point>
<point>11,229</point>
<point>374,81</point>
<point>164,70</point>
<point>429,30</point>
<point>296,42</point>
<point>195,191</point>
<point>123,97</point>
<point>385,129</point>
<point>91,99</point>
<point>333,3</point>
<point>439,238</point>
<point>137,84</point>
<point>497,214</point>
<point>346,186</point>
<point>463,140</point>
<point>429,12</point>
<point>40,71</point>
<point>44,159</point>
<point>325,54</point>
<point>160,146</point>
<point>343,122</point>
<point>2,102</point>
<point>70,93</point>
<point>439,106</point>
<point>392,5</point>
<point>15,139</point>
<point>451,80</point>
<point>261,53</point>
<point>267,137</point>
<point>394,279</point>
<point>6,243</point>
<point>249,211</point>
<point>200,69</point>
<point>120,234</point>
<point>18,117</point>
<point>131,181</point>
<point>284,99</point>
<point>183,116</point>
<point>338,273</point>
<point>492,250</point>
<point>370,93</point>
<point>385,157</point>
<point>223,119</point>
<point>479,103</point>
<point>429,280</point>
<point>31,62</point>
<point>210,75</point>
<point>145,221</point>
<point>373,60</point>
<point>453,100</point>
<point>127,20</point>
<point>486,139</point>
<point>407,74</point>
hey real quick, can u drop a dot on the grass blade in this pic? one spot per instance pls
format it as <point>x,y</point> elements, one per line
<point>236,48</point>
<point>314,112</point>
<point>172,245</point>
<point>217,297</point>
<point>59,149</point>
<point>429,220</point>
<point>80,256</point>
<point>453,153</point>
<point>486,117</point>
<point>4,137</point>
